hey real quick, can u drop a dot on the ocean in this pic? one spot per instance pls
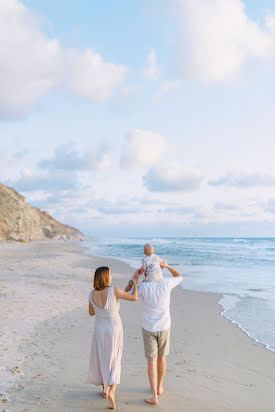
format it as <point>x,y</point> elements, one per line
<point>242,270</point>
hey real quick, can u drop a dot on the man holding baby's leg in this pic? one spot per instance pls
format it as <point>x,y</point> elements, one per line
<point>156,326</point>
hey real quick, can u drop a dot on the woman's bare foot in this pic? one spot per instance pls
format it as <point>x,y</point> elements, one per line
<point>152,401</point>
<point>104,394</point>
<point>112,404</point>
<point>160,391</point>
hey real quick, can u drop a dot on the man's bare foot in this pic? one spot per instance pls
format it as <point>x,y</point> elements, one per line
<point>160,391</point>
<point>152,401</point>
<point>112,404</point>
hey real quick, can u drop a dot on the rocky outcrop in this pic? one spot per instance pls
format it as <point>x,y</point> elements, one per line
<point>20,221</point>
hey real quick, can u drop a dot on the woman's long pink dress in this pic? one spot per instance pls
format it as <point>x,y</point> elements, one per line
<point>107,343</point>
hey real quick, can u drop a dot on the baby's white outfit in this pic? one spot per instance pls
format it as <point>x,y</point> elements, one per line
<point>153,270</point>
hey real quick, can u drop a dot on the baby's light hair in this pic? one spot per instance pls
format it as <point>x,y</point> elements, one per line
<point>148,249</point>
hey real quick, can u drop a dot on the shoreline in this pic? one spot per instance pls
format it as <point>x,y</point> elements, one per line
<point>213,365</point>
<point>266,346</point>
<point>221,297</point>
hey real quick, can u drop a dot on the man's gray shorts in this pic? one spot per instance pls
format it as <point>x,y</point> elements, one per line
<point>156,344</point>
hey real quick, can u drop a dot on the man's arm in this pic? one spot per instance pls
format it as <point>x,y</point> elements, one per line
<point>174,272</point>
<point>128,287</point>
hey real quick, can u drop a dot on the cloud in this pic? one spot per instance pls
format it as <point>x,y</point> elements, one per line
<point>31,64</point>
<point>220,206</point>
<point>67,158</point>
<point>87,75</point>
<point>270,206</point>
<point>52,182</point>
<point>87,199</point>
<point>112,210</point>
<point>181,210</point>
<point>7,161</point>
<point>142,148</point>
<point>244,180</point>
<point>171,177</point>
<point>29,61</point>
<point>151,69</point>
<point>166,87</point>
<point>78,196</point>
<point>217,38</point>
<point>22,154</point>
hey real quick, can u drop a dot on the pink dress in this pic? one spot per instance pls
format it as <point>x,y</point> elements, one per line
<point>107,343</point>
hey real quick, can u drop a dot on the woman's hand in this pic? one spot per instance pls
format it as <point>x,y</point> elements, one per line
<point>163,264</point>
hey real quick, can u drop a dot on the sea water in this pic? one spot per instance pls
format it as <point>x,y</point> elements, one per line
<point>242,270</point>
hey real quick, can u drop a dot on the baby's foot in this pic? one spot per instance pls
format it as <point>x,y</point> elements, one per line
<point>153,400</point>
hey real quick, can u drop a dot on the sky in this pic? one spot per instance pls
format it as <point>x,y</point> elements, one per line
<point>141,118</point>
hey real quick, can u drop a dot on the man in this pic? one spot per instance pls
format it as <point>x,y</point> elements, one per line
<point>156,326</point>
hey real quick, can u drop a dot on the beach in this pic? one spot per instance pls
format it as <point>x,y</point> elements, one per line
<point>46,337</point>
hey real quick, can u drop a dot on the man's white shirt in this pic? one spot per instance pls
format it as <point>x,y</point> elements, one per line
<point>156,303</point>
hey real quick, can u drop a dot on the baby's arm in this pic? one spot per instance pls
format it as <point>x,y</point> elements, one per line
<point>142,269</point>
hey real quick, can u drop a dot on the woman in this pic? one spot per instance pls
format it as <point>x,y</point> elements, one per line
<point>107,343</point>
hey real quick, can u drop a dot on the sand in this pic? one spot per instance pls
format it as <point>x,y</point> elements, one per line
<point>46,334</point>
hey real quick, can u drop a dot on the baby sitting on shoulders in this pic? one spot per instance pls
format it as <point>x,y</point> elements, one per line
<point>151,265</point>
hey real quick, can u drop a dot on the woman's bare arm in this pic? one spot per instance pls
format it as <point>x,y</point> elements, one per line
<point>121,294</point>
<point>137,274</point>
<point>91,309</point>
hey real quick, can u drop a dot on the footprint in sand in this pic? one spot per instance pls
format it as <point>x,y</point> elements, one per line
<point>248,385</point>
<point>16,370</point>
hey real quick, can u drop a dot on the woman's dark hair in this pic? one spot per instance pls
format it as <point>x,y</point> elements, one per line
<point>101,278</point>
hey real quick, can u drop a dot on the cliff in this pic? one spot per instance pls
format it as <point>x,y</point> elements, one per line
<point>20,221</point>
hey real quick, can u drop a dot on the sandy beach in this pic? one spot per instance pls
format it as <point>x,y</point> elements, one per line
<point>46,334</point>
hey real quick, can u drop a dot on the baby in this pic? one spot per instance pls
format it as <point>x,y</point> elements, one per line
<point>151,265</point>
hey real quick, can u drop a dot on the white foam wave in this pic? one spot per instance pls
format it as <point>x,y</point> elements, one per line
<point>231,303</point>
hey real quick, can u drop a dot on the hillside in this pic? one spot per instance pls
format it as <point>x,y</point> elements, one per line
<point>20,221</point>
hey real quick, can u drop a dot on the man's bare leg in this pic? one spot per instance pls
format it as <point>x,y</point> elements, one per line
<point>111,397</point>
<point>152,373</point>
<point>161,374</point>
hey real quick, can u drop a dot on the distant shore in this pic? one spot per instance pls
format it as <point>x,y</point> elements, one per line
<point>213,365</point>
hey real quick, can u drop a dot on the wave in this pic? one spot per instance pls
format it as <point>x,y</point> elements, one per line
<point>238,268</point>
<point>267,345</point>
<point>256,290</point>
<point>238,310</point>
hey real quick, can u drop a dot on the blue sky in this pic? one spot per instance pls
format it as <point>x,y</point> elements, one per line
<point>142,117</point>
